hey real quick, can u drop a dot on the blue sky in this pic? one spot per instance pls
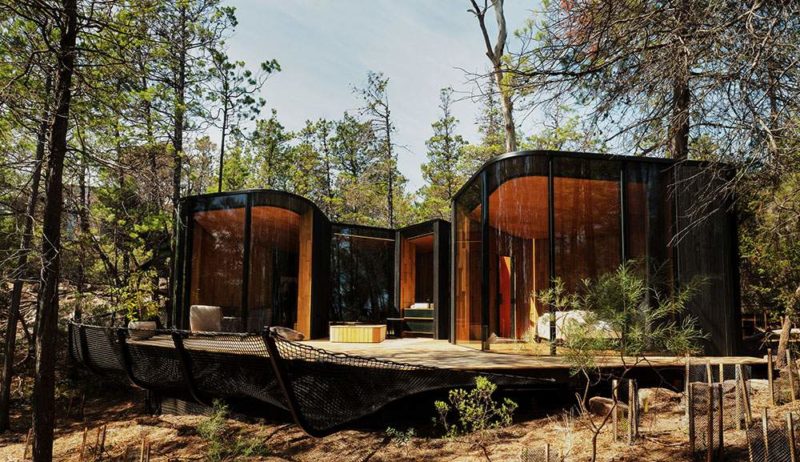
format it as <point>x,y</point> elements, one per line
<point>325,47</point>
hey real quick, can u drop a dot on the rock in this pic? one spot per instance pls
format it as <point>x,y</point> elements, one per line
<point>287,333</point>
<point>657,397</point>
<point>758,384</point>
<point>601,406</point>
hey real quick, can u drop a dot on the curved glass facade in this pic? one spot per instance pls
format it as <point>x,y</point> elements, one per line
<point>527,218</point>
<point>257,256</point>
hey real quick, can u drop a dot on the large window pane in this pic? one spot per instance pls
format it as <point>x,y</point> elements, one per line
<point>468,266</point>
<point>274,264</point>
<point>218,254</point>
<point>518,245</point>
<point>587,219</point>
<point>362,275</point>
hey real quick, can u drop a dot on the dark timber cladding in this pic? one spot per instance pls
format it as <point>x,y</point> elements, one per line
<point>526,218</point>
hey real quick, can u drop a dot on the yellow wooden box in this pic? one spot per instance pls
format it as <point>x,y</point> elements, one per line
<point>358,333</point>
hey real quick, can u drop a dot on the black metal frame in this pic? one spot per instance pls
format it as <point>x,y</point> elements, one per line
<point>440,229</point>
<point>482,177</point>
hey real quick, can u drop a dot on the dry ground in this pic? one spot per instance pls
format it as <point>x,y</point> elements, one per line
<point>174,438</point>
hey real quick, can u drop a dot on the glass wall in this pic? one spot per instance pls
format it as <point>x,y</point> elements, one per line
<point>362,274</point>
<point>518,257</point>
<point>217,256</point>
<point>588,237</point>
<point>547,215</point>
<point>467,265</point>
<point>251,254</point>
<point>274,265</point>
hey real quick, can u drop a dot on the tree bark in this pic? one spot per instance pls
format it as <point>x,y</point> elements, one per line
<point>47,316</point>
<point>495,55</point>
<point>679,124</point>
<point>783,341</point>
<point>177,144</point>
<point>22,264</point>
<point>678,148</point>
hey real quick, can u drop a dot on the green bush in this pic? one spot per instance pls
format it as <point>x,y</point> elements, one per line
<point>222,442</point>
<point>400,438</point>
<point>473,411</point>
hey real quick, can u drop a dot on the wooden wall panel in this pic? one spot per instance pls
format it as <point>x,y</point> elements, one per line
<point>408,272</point>
<point>304,277</point>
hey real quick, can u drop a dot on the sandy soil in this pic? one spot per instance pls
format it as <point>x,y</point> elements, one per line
<point>174,438</point>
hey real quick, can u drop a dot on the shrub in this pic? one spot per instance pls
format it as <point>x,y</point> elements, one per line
<point>474,410</point>
<point>222,442</point>
<point>400,438</point>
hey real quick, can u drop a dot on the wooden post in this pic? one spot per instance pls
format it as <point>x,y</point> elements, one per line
<point>790,437</point>
<point>631,416</point>
<point>748,414</point>
<point>615,416</point>
<point>765,432</point>
<point>102,442</point>
<point>83,443</point>
<point>709,375</point>
<point>686,374</point>
<point>97,443</point>
<point>710,424</point>
<point>721,372</point>
<point>769,377</point>
<point>720,420</point>
<point>141,451</point>
<point>791,374</point>
<point>738,395</point>
<point>27,442</point>
<point>547,452</point>
<point>690,410</point>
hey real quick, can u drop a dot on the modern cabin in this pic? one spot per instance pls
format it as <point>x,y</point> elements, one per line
<point>524,219</point>
<point>527,218</point>
<point>271,258</point>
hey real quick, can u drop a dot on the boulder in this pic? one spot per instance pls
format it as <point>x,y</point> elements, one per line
<point>287,333</point>
<point>758,384</point>
<point>657,397</point>
<point>601,406</point>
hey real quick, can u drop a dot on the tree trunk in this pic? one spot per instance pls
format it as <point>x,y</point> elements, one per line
<point>783,341</point>
<point>678,148</point>
<point>679,125</point>
<point>507,104</point>
<point>177,144</point>
<point>22,264</point>
<point>222,142</point>
<point>391,167</point>
<point>47,317</point>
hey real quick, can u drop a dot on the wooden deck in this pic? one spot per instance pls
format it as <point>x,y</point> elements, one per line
<point>442,354</point>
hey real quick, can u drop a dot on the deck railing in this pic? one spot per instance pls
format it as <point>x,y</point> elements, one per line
<point>323,391</point>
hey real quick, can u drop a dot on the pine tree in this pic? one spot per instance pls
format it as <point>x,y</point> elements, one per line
<point>441,172</point>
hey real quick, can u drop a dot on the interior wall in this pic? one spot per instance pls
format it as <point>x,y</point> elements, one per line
<point>423,277</point>
<point>408,273</point>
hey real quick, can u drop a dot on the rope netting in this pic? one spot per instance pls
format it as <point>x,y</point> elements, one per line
<point>323,390</point>
<point>332,389</point>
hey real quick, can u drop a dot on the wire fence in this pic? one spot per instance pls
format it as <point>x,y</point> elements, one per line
<point>773,439</point>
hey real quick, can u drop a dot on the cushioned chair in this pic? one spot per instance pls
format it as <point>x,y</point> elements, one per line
<point>205,318</point>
